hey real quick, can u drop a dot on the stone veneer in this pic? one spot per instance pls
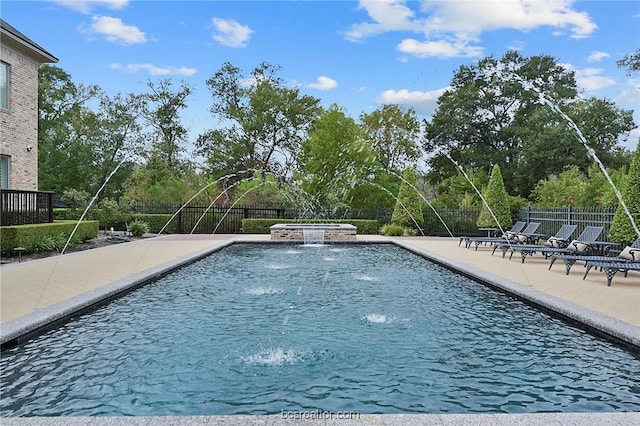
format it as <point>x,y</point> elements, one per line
<point>295,231</point>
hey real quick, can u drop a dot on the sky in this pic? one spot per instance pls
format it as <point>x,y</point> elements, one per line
<point>359,55</point>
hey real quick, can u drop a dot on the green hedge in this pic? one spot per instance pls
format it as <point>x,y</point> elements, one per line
<point>27,236</point>
<point>262,226</point>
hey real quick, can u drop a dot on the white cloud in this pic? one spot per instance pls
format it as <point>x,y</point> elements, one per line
<point>631,142</point>
<point>388,15</point>
<point>114,30</point>
<point>230,33</point>
<point>449,27</point>
<point>424,103</point>
<point>86,6</point>
<point>597,56</point>
<point>591,79</point>
<point>323,83</point>
<point>440,48</point>
<point>155,70</point>
<point>476,17</point>
<point>630,95</point>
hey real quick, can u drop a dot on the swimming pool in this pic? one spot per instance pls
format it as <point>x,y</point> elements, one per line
<point>373,328</point>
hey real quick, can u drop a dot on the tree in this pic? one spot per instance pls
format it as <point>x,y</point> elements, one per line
<point>81,146</point>
<point>393,134</point>
<point>598,191</point>
<point>66,128</point>
<point>477,118</point>
<point>548,140</point>
<point>631,62</point>
<point>262,190</point>
<point>266,122</point>
<point>497,203</point>
<point>456,191</point>
<point>119,142</point>
<point>161,109</point>
<point>335,162</point>
<point>622,230</point>
<point>408,209</point>
<point>561,190</point>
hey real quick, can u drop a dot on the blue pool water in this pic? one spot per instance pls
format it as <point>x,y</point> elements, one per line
<point>258,329</point>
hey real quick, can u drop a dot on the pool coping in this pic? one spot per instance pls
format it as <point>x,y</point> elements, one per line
<point>25,327</point>
<point>539,419</point>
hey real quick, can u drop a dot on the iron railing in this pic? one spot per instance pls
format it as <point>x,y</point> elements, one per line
<point>551,219</point>
<point>18,207</point>
<point>441,222</point>
<point>25,207</point>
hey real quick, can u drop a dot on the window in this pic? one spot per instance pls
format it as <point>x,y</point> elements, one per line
<point>4,85</point>
<point>4,171</point>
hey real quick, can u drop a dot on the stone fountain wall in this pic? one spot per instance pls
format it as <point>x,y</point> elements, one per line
<point>295,232</point>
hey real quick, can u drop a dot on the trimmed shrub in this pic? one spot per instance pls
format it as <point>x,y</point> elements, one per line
<point>408,209</point>
<point>621,230</point>
<point>498,200</point>
<point>392,230</point>
<point>38,236</point>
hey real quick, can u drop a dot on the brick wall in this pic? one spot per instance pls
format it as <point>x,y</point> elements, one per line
<point>19,124</point>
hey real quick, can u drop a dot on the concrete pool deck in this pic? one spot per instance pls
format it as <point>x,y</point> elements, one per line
<point>43,291</point>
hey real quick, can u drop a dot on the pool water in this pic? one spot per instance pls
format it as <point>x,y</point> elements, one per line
<point>256,329</point>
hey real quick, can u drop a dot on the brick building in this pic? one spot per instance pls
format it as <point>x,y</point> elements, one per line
<point>20,59</point>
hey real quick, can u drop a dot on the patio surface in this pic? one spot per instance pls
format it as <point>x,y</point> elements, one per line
<point>38,292</point>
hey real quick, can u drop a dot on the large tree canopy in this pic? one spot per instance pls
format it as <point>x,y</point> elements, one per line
<point>393,134</point>
<point>477,117</point>
<point>80,147</point>
<point>549,145</point>
<point>336,162</point>
<point>161,109</point>
<point>265,122</point>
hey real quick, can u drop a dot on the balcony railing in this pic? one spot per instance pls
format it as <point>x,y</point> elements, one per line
<point>25,207</point>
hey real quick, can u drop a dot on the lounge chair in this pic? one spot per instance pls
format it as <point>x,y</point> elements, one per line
<point>527,235</point>
<point>585,244</point>
<point>629,253</point>
<point>517,227</point>
<point>611,268</point>
<point>561,239</point>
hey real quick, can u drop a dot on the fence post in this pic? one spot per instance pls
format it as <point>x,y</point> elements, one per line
<point>453,220</point>
<point>180,229</point>
<point>528,214</point>
<point>569,211</point>
<point>50,207</point>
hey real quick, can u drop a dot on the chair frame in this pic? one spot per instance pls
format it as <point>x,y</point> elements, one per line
<point>611,268</point>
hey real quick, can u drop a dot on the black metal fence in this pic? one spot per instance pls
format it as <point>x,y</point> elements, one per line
<point>26,207</point>
<point>228,219</point>
<point>438,221</point>
<point>551,219</point>
<point>19,207</point>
